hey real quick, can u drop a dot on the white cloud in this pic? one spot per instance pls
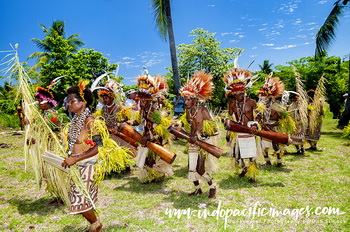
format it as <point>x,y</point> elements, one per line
<point>241,36</point>
<point>253,56</point>
<point>233,41</point>
<point>289,7</point>
<point>253,48</point>
<point>285,47</point>
<point>268,45</point>
<point>211,5</point>
<point>297,22</point>
<point>322,2</point>
<point>298,37</point>
<point>262,29</point>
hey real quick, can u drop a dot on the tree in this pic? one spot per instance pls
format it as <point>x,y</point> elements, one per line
<point>87,64</point>
<point>55,46</point>
<point>162,15</point>
<point>266,67</point>
<point>326,34</point>
<point>311,70</point>
<point>324,38</point>
<point>205,54</point>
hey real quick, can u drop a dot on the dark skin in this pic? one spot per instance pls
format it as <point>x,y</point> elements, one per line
<point>78,107</point>
<point>145,106</point>
<point>201,113</point>
<point>249,107</point>
<point>275,115</point>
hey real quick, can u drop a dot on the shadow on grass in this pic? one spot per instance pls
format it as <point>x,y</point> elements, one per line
<point>181,200</point>
<point>273,168</point>
<point>235,182</point>
<point>134,185</point>
<point>295,156</point>
<point>28,206</point>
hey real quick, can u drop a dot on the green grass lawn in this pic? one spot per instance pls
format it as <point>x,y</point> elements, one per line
<point>312,191</point>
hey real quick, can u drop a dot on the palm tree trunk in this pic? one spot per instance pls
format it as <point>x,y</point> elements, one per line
<point>345,117</point>
<point>172,47</point>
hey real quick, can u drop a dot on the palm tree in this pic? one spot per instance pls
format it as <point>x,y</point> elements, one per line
<point>325,36</point>
<point>54,42</point>
<point>266,67</point>
<point>162,15</point>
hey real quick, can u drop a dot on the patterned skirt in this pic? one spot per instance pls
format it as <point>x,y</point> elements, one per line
<point>79,203</point>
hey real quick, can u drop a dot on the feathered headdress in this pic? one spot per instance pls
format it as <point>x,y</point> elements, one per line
<point>272,87</point>
<point>199,86</point>
<point>238,80</point>
<point>82,86</point>
<point>112,89</point>
<point>46,95</point>
<point>151,87</point>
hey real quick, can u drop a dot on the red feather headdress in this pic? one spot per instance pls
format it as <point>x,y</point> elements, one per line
<point>199,86</point>
<point>272,87</point>
<point>151,87</point>
<point>236,81</point>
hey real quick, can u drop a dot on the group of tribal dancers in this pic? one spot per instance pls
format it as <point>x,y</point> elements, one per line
<point>136,131</point>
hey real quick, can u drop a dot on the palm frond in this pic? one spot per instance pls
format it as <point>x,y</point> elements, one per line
<point>159,13</point>
<point>326,34</point>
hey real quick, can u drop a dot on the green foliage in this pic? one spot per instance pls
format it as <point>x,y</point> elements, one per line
<point>8,98</point>
<point>9,120</point>
<point>311,70</point>
<point>266,67</point>
<point>86,64</point>
<point>205,54</point>
<point>346,132</point>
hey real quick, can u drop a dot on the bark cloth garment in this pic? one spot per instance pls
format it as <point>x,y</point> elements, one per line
<point>79,203</point>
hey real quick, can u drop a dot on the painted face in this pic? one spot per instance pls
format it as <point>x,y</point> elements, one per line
<point>190,102</point>
<point>43,104</point>
<point>74,104</point>
<point>144,104</point>
<point>107,100</point>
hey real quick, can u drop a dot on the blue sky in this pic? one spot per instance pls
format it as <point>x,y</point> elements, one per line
<point>124,31</point>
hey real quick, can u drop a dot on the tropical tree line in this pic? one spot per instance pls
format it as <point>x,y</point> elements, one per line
<point>60,56</point>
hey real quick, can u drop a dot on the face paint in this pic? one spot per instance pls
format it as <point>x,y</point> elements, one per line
<point>74,104</point>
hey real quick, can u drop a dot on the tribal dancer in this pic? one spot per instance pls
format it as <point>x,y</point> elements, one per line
<point>241,110</point>
<point>316,112</point>
<point>150,92</point>
<point>198,122</point>
<point>272,116</point>
<point>114,112</point>
<point>82,150</point>
<point>298,111</point>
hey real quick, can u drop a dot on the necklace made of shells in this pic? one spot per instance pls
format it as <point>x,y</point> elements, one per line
<point>194,114</point>
<point>110,116</point>
<point>240,109</point>
<point>75,128</point>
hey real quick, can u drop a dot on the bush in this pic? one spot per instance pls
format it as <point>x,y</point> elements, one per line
<point>8,120</point>
<point>346,132</point>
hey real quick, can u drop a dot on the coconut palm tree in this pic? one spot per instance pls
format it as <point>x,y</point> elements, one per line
<point>326,34</point>
<point>266,67</point>
<point>54,42</point>
<point>162,15</point>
